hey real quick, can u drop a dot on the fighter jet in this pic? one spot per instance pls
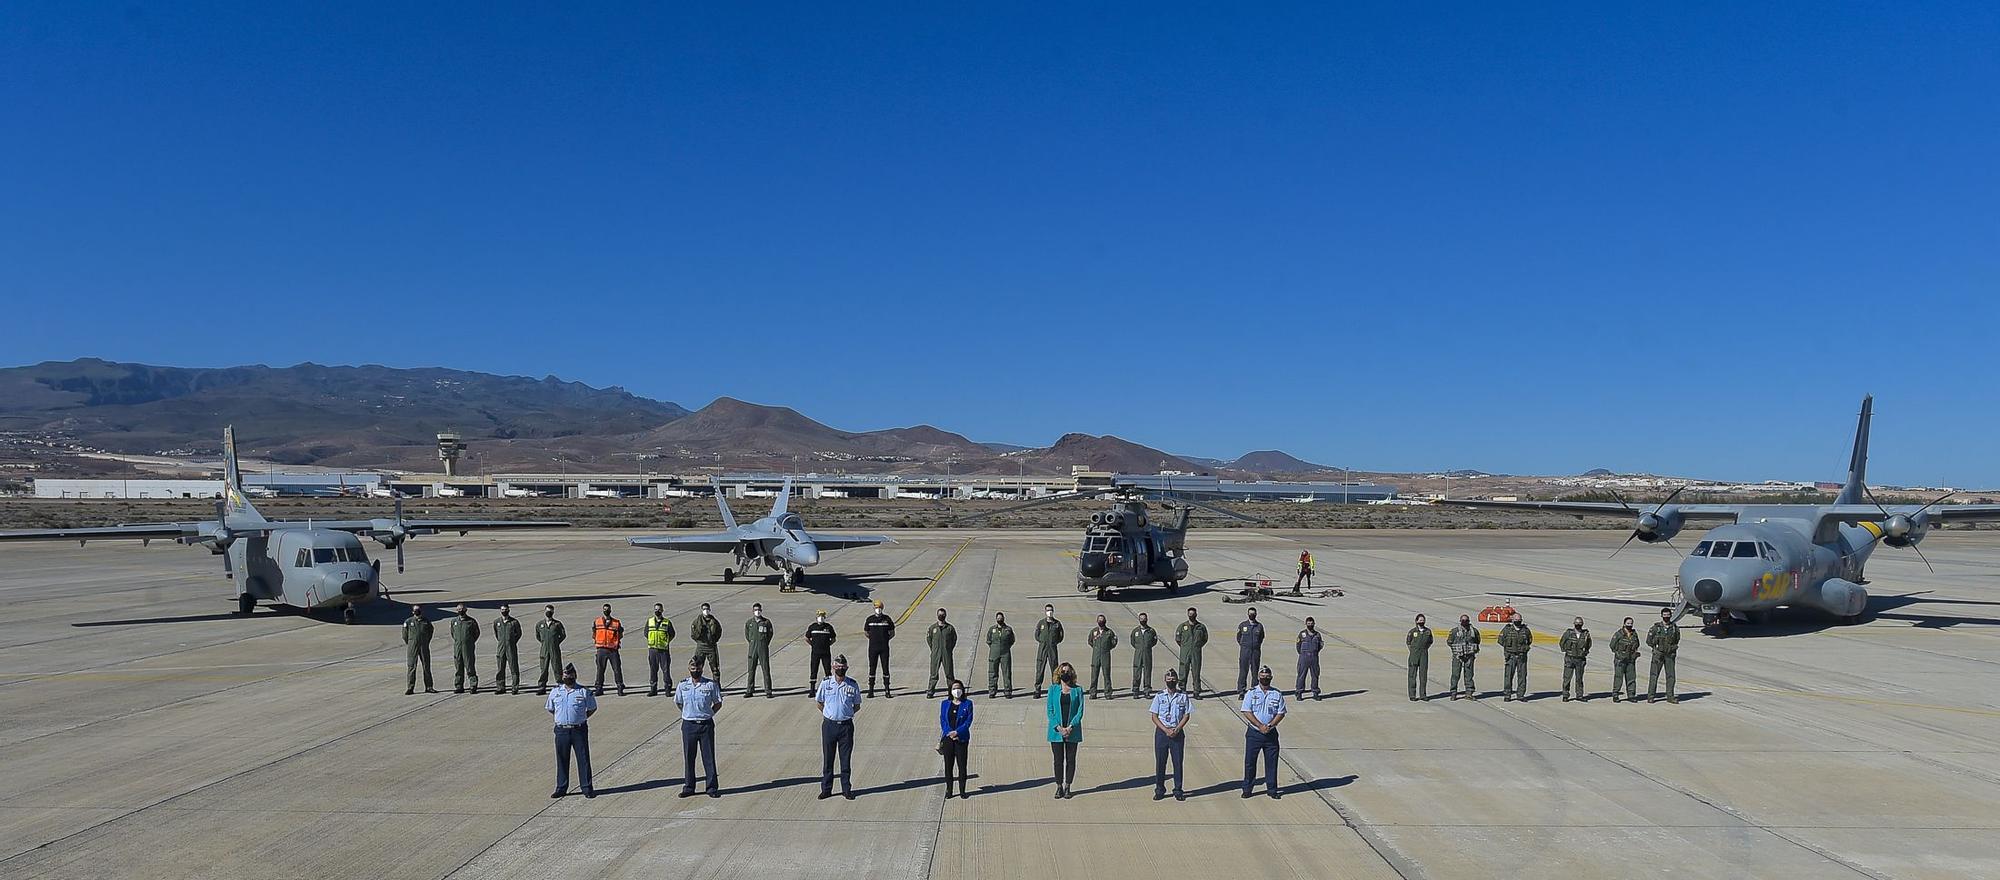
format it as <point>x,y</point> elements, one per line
<point>312,565</point>
<point>1768,556</point>
<point>778,540</point>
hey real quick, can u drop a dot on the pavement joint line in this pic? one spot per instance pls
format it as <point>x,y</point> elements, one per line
<point>1773,830</point>
<point>934,582</point>
<point>1390,856</point>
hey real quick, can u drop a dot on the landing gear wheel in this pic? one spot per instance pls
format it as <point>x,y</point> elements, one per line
<point>1173,586</point>
<point>1100,594</point>
<point>729,575</point>
<point>347,615</point>
<point>798,578</point>
<point>245,603</point>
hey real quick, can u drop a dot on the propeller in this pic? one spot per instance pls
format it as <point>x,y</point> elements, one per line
<point>1900,525</point>
<point>402,534</point>
<point>1648,521</point>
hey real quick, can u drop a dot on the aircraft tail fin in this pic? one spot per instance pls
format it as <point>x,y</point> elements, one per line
<point>784,501</point>
<point>722,502</point>
<point>1854,492</point>
<point>235,502</point>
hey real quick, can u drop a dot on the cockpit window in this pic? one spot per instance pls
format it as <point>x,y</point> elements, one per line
<point>792,523</point>
<point>1700,549</point>
<point>1769,552</point>
<point>304,560</point>
<point>356,554</point>
<point>1720,550</point>
<point>1094,544</point>
<point>322,555</point>
<point>1745,550</point>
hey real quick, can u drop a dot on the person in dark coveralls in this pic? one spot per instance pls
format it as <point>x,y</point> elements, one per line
<point>880,628</point>
<point>1309,643</point>
<point>1249,649</point>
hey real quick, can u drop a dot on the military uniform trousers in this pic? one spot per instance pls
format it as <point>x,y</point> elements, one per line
<point>1573,672</point>
<point>659,668</point>
<point>1257,742</point>
<point>610,655</point>
<point>414,655</point>
<point>1463,664</point>
<point>1000,668</point>
<point>941,660</point>
<point>1100,665</point>
<point>836,738</point>
<point>572,739</point>
<point>760,658</point>
<point>707,654</point>
<point>1142,672</point>
<point>822,659</point>
<point>1308,667</point>
<point>1045,659</point>
<point>1191,672</point>
<point>878,656</point>
<point>1247,661</point>
<point>1625,674</point>
<point>1167,748</point>
<point>507,658</point>
<point>1420,676</point>
<point>551,660</point>
<point>698,736</point>
<point>1514,679</point>
<point>462,666</point>
<point>1660,661</point>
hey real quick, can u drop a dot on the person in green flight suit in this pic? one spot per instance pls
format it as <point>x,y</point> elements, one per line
<point>1048,634</point>
<point>1419,640</point>
<point>1515,640</point>
<point>1143,639</point>
<point>943,639</point>
<point>1190,637</point>
<point>999,656</point>
<point>506,651</point>
<point>1101,640</point>
<point>1665,640</point>
<point>757,631</point>
<point>1576,651</point>
<point>417,649</point>
<point>464,637</point>
<point>1625,663</point>
<point>549,634</point>
<point>706,632</point>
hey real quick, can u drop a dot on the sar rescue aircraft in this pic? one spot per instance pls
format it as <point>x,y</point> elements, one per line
<point>1768,556</point>
<point>311,565</point>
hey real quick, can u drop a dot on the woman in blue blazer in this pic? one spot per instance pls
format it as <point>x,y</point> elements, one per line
<point>1065,726</point>
<point>955,735</point>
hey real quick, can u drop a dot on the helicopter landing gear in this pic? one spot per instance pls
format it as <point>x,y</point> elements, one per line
<point>1173,586</point>
<point>729,575</point>
<point>1100,594</point>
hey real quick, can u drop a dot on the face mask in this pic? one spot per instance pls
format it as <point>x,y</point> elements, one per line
<point>1266,681</point>
<point>958,693</point>
<point>821,618</point>
<point>757,613</point>
<point>704,612</point>
<point>1048,614</point>
<point>940,618</point>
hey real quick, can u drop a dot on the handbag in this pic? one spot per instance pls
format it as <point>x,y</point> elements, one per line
<point>944,742</point>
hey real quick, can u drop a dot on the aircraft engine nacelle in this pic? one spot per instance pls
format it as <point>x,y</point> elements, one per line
<point>1905,531</point>
<point>1656,526</point>
<point>1115,520</point>
<point>1842,598</point>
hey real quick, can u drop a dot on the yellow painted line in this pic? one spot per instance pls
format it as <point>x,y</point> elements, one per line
<point>934,582</point>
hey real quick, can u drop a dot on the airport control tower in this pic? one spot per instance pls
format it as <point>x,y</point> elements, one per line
<point>449,449</point>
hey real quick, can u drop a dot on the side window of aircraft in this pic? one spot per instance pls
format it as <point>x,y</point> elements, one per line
<point>304,560</point>
<point>1720,550</point>
<point>356,554</point>
<point>1746,550</point>
<point>1770,552</point>
<point>1700,549</point>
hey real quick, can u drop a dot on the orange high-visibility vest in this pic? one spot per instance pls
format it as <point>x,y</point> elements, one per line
<point>607,632</point>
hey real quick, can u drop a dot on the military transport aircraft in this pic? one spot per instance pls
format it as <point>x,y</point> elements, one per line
<point>778,540</point>
<point>1768,556</point>
<point>315,564</point>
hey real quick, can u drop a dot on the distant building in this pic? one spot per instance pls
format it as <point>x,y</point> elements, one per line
<point>264,485</point>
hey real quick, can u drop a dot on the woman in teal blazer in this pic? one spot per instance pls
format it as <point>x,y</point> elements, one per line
<point>1065,726</point>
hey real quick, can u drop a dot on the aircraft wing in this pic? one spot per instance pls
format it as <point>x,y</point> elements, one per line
<point>848,542</point>
<point>427,526</point>
<point>721,542</point>
<point>147,531</point>
<point>1600,508</point>
<point>1966,512</point>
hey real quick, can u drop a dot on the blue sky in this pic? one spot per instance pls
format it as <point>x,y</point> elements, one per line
<point>1681,238</point>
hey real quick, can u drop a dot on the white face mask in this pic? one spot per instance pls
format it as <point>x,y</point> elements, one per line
<point>958,693</point>
<point>757,613</point>
<point>821,618</point>
<point>704,612</point>
<point>1049,614</point>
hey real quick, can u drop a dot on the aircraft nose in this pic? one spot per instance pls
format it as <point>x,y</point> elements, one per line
<point>805,554</point>
<point>1708,591</point>
<point>354,589</point>
<point>1093,565</point>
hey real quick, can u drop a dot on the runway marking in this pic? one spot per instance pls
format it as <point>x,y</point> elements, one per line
<point>934,582</point>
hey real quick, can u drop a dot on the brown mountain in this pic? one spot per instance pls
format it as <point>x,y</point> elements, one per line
<point>1272,461</point>
<point>1109,453</point>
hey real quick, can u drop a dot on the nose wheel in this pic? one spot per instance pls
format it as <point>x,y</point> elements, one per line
<point>347,615</point>
<point>245,603</point>
<point>729,575</point>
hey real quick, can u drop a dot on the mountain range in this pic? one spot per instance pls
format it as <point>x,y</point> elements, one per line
<point>383,417</point>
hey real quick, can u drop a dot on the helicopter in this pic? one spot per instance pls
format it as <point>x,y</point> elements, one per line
<point>1125,546</point>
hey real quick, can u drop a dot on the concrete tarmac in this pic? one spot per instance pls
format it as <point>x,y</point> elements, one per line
<point>147,732</point>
